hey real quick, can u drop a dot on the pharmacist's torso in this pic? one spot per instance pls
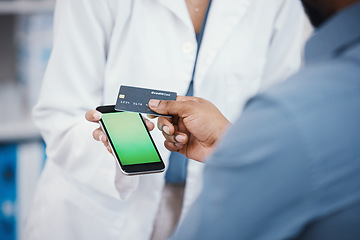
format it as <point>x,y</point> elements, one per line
<point>153,45</point>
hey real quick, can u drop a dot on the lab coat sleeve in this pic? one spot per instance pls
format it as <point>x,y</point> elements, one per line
<point>73,84</point>
<point>290,32</point>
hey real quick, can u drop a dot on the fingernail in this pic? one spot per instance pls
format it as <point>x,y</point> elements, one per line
<point>102,138</point>
<point>180,138</point>
<point>154,103</point>
<point>97,115</point>
<point>166,130</point>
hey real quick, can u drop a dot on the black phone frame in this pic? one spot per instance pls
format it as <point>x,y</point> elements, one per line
<point>133,169</point>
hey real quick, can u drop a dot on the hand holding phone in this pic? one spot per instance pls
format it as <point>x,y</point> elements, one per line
<point>99,135</point>
<point>129,140</point>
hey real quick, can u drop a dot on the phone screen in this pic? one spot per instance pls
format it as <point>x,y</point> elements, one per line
<point>130,138</point>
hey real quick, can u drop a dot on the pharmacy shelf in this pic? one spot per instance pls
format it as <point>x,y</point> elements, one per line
<point>18,131</point>
<point>26,7</point>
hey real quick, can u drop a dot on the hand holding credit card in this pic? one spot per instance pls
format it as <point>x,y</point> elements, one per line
<point>135,99</point>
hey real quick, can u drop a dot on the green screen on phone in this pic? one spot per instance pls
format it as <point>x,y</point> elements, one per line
<point>130,138</point>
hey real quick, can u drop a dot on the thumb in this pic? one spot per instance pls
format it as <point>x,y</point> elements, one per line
<point>174,108</point>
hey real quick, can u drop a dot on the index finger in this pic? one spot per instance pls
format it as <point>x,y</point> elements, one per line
<point>93,116</point>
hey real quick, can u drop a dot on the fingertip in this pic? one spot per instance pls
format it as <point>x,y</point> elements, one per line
<point>180,138</point>
<point>150,126</point>
<point>153,103</point>
<point>173,146</point>
<point>95,134</point>
<point>166,130</point>
<point>179,145</point>
<point>103,138</point>
<point>97,115</point>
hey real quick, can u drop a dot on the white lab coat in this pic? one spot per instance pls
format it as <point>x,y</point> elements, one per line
<point>247,46</point>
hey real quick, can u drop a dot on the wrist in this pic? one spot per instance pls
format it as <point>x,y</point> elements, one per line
<point>225,124</point>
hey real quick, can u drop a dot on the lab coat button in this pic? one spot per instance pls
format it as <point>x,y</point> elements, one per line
<point>187,47</point>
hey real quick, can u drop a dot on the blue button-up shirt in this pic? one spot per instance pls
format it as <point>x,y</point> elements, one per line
<point>289,168</point>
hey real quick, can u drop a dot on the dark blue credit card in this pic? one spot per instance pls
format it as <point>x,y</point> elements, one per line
<point>135,99</point>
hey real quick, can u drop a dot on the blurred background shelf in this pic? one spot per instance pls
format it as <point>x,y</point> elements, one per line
<point>25,47</point>
<point>26,7</point>
<point>19,131</point>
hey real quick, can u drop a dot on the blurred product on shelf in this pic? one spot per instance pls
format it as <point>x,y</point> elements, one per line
<point>24,54</point>
<point>20,166</point>
<point>8,191</point>
<point>33,41</point>
<point>12,102</point>
<point>33,37</point>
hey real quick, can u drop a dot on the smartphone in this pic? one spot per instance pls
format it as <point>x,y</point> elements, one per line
<point>130,141</point>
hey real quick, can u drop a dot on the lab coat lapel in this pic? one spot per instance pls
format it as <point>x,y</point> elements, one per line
<point>179,9</point>
<point>223,17</point>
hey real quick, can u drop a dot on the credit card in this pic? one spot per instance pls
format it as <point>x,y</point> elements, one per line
<point>135,99</point>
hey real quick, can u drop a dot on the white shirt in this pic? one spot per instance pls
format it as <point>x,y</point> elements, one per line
<point>99,45</point>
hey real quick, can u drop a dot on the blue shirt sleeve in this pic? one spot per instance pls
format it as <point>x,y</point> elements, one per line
<point>250,180</point>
